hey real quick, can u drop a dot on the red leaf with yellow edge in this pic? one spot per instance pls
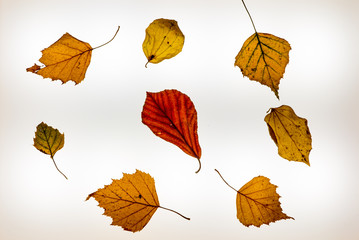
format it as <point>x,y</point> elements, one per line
<point>172,116</point>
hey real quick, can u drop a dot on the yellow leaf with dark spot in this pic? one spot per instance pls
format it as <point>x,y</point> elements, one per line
<point>290,133</point>
<point>48,140</point>
<point>263,58</point>
<point>130,201</point>
<point>163,40</point>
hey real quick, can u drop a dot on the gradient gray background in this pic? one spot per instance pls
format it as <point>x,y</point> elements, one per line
<point>104,136</point>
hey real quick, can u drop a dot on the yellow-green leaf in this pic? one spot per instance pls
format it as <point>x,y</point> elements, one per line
<point>163,40</point>
<point>290,133</point>
<point>263,58</point>
<point>48,140</point>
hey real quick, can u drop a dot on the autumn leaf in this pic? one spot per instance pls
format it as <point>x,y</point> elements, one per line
<point>49,140</point>
<point>290,133</point>
<point>130,201</point>
<point>66,60</point>
<point>172,116</point>
<point>163,40</point>
<point>258,202</point>
<point>263,58</point>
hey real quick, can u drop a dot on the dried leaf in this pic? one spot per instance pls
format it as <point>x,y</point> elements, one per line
<point>172,116</point>
<point>263,58</point>
<point>66,60</point>
<point>290,133</point>
<point>130,201</point>
<point>49,140</point>
<point>163,40</point>
<point>258,202</point>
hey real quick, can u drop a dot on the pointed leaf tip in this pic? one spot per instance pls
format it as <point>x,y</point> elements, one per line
<point>171,115</point>
<point>263,58</point>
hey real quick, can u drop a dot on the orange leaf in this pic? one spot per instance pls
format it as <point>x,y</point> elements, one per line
<point>130,201</point>
<point>66,60</point>
<point>263,58</point>
<point>172,116</point>
<point>258,202</point>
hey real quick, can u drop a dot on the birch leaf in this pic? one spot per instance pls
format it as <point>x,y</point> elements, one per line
<point>263,58</point>
<point>258,203</point>
<point>290,133</point>
<point>171,115</point>
<point>49,140</point>
<point>163,40</point>
<point>67,59</point>
<point>130,201</point>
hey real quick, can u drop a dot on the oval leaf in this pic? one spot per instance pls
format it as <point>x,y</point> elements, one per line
<point>290,133</point>
<point>49,140</point>
<point>258,203</point>
<point>130,201</point>
<point>67,59</point>
<point>263,58</point>
<point>163,40</point>
<point>172,116</point>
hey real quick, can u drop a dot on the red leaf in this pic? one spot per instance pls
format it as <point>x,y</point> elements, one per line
<point>171,116</point>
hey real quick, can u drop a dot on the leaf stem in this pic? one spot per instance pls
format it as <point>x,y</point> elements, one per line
<point>58,168</point>
<point>110,40</point>
<point>199,161</point>
<point>175,212</point>
<point>249,16</point>
<point>225,181</point>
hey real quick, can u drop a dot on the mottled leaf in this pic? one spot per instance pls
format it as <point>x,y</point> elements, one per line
<point>290,133</point>
<point>163,40</point>
<point>49,140</point>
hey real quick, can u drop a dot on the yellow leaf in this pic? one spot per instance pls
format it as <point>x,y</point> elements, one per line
<point>258,202</point>
<point>130,201</point>
<point>48,140</point>
<point>263,58</point>
<point>66,60</point>
<point>290,133</point>
<point>163,40</point>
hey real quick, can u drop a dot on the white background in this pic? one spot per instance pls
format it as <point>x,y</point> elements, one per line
<point>104,136</point>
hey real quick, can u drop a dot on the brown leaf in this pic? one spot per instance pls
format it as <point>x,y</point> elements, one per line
<point>172,116</point>
<point>66,60</point>
<point>290,133</point>
<point>263,58</point>
<point>258,202</point>
<point>34,68</point>
<point>130,201</point>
